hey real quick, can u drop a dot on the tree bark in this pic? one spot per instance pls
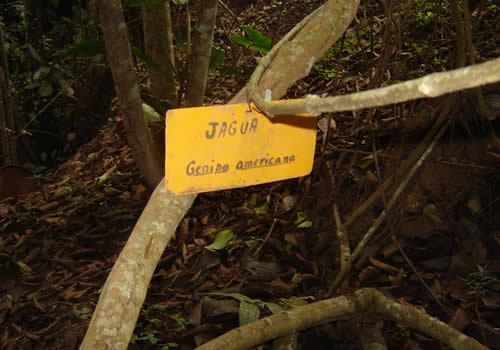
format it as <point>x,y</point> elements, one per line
<point>200,55</point>
<point>158,42</point>
<point>33,24</point>
<point>145,151</point>
<point>9,146</point>
<point>294,58</point>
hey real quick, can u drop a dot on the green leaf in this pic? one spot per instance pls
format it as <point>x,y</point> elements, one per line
<point>210,231</point>
<point>182,45</point>
<point>217,58</point>
<point>305,224</point>
<point>83,313</point>
<point>274,308</point>
<point>262,43</point>
<point>301,221</point>
<point>253,241</point>
<point>432,212</point>
<point>87,48</point>
<point>258,42</point>
<point>300,217</point>
<point>262,209</point>
<point>159,307</point>
<point>25,269</point>
<point>238,39</point>
<point>221,240</point>
<point>248,313</point>
<point>150,115</point>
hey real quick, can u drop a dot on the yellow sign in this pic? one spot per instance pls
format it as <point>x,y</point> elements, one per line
<point>228,146</point>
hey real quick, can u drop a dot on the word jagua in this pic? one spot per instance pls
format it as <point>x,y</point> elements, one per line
<point>194,169</point>
<point>220,130</point>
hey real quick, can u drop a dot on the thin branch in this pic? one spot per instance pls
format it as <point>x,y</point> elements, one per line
<point>398,192</point>
<point>414,156</point>
<point>364,301</point>
<point>412,267</point>
<point>432,85</point>
<point>345,253</point>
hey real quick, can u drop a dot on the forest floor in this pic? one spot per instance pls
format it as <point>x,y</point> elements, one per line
<point>438,248</point>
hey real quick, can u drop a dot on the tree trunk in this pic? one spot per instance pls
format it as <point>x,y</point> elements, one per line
<point>157,27</point>
<point>145,151</point>
<point>200,54</point>
<point>33,24</point>
<point>9,147</point>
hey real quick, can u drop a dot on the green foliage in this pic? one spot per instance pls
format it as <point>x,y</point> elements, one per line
<point>182,324</point>
<point>28,206</point>
<point>260,209</point>
<point>426,11</point>
<point>210,231</point>
<point>150,115</point>
<point>146,329</point>
<point>66,189</point>
<point>302,220</point>
<point>248,313</point>
<point>83,313</point>
<point>253,241</point>
<point>123,214</point>
<point>217,57</point>
<point>330,73</point>
<point>326,67</point>
<point>257,41</point>
<point>479,281</point>
<point>148,337</point>
<point>250,309</point>
<point>425,16</point>
<point>27,210</point>
<point>25,269</point>
<point>221,240</point>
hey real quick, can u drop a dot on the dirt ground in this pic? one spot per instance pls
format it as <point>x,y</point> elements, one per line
<point>438,248</point>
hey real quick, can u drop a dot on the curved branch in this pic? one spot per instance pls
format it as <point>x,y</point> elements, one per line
<point>364,301</point>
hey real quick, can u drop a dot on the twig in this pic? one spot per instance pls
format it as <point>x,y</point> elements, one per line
<point>398,192</point>
<point>257,251</point>
<point>377,168</point>
<point>228,10</point>
<point>406,164</point>
<point>481,327</point>
<point>345,253</point>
